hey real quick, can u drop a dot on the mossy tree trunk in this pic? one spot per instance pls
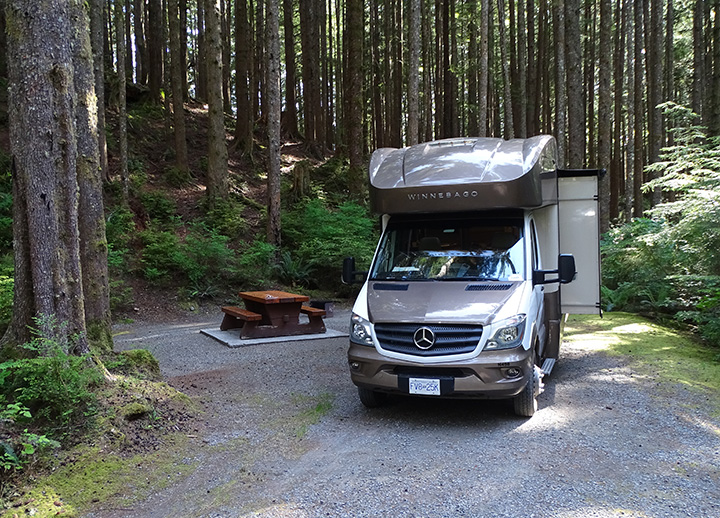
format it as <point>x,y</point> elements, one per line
<point>273,121</point>
<point>97,8</point>
<point>176,77</point>
<point>91,213</point>
<point>217,173</point>
<point>42,109</point>
<point>354,92</point>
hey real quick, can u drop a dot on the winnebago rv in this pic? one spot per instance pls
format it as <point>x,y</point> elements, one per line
<point>485,244</point>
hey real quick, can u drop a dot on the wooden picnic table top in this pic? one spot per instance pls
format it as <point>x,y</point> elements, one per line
<point>273,297</point>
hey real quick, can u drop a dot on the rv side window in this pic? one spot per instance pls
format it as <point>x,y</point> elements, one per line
<point>535,255</point>
<point>487,249</point>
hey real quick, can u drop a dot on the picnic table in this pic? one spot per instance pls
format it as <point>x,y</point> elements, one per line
<point>272,313</point>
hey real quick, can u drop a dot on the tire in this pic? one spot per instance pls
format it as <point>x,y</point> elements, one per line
<point>370,398</point>
<point>525,403</point>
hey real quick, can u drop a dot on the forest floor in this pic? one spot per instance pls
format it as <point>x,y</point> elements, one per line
<point>283,434</point>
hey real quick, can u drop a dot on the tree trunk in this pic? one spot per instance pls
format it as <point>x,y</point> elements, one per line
<point>617,165</point>
<point>576,125</point>
<point>483,68</point>
<point>605,109</point>
<point>225,36</point>
<point>560,82</point>
<point>638,131</point>
<point>97,8</point>
<point>509,131</point>
<point>589,84</point>
<point>122,102</point>
<point>273,121</point>
<point>176,73</point>
<point>533,86</point>
<point>714,95</point>
<point>311,77</point>
<point>42,97</point>
<point>698,77</point>
<point>354,91</point>
<point>628,17</point>
<point>155,49</point>
<point>184,47</point>
<point>413,73</point>
<point>290,122</point>
<point>217,173</point>
<point>521,107</point>
<point>129,66</point>
<point>669,64</point>
<point>243,68</point>
<point>427,118</point>
<point>91,213</point>
<point>201,66</point>
<point>140,46</point>
<point>259,90</point>
<point>472,65</point>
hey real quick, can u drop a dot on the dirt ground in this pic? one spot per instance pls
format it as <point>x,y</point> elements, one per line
<point>283,434</point>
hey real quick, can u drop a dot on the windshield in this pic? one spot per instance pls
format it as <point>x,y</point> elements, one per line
<point>451,250</point>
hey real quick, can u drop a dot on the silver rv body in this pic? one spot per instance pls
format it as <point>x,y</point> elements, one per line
<point>464,298</point>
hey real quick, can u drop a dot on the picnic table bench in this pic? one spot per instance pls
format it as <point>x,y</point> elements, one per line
<point>272,313</point>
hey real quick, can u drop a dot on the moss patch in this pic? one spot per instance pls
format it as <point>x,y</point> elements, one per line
<point>86,477</point>
<point>670,356</point>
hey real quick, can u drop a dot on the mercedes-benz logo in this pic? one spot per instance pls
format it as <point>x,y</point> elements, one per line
<point>424,338</point>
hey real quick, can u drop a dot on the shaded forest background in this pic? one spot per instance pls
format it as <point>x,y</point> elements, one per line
<point>235,153</point>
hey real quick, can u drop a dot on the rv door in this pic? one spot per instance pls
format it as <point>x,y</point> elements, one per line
<point>578,213</point>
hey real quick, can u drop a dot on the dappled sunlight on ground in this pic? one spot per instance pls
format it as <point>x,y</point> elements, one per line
<point>278,511</point>
<point>598,512</point>
<point>701,422</point>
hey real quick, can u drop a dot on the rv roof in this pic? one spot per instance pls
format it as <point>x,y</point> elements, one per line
<point>464,174</point>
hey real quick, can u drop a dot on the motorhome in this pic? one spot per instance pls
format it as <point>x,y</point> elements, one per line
<point>485,245</point>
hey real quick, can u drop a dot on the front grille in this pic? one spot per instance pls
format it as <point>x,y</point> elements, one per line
<point>449,338</point>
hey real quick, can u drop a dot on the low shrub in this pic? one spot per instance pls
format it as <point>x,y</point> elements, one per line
<point>54,385</point>
<point>158,206</point>
<point>323,236</point>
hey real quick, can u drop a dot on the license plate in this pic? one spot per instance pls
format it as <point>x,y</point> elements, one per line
<point>425,386</point>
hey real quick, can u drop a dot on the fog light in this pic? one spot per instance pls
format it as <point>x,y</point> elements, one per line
<point>512,372</point>
<point>355,366</point>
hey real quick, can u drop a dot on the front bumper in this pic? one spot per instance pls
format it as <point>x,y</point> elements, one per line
<point>487,376</point>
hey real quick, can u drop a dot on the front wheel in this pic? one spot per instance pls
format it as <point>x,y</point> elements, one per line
<point>370,398</point>
<point>526,403</point>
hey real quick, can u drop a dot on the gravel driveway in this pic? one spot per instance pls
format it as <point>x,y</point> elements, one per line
<point>284,435</point>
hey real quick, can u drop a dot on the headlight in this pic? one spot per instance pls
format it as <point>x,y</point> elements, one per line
<point>360,331</point>
<point>509,335</point>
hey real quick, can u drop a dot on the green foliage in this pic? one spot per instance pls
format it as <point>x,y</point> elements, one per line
<point>255,263</point>
<point>202,263</point>
<point>54,385</point>
<point>323,237</point>
<point>177,177</point>
<point>225,217</point>
<point>635,264</point>
<point>206,261</point>
<point>160,255</point>
<point>669,264</point>
<point>292,271</point>
<point>6,232</point>
<point>119,229</point>
<point>158,206</point>
<point>16,450</point>
<point>7,284</point>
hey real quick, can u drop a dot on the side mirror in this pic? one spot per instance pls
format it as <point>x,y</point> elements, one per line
<point>566,271</point>
<point>347,270</point>
<point>566,268</point>
<point>349,274</point>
